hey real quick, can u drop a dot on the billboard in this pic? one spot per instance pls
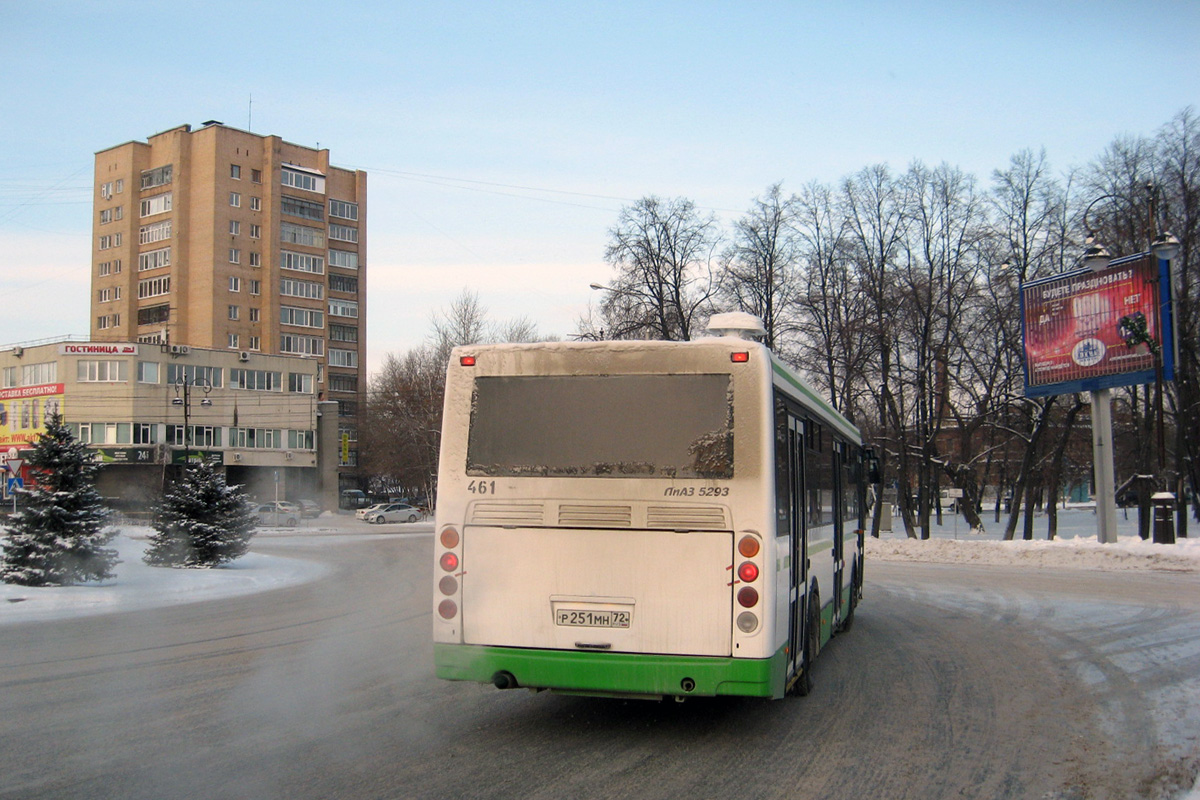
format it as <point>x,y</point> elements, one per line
<point>1084,331</point>
<point>23,412</point>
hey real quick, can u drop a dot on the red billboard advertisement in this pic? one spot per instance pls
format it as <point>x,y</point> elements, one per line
<point>1085,331</point>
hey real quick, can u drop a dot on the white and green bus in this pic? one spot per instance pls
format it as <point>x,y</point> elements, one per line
<point>642,519</point>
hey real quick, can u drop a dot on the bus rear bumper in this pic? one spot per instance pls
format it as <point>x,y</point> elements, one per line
<point>611,674</point>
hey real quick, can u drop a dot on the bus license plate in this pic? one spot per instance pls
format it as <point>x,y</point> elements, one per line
<point>583,618</point>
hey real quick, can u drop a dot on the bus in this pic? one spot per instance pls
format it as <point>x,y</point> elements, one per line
<point>643,519</point>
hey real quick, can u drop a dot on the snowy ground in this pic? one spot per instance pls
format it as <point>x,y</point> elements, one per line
<point>138,586</point>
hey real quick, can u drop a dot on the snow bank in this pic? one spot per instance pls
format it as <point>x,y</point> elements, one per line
<point>1128,553</point>
<point>138,586</point>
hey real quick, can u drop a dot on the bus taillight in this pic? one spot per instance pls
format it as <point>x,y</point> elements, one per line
<point>739,357</point>
<point>748,546</point>
<point>467,361</point>
<point>449,538</point>
<point>747,597</point>
<point>447,609</point>
<point>449,562</point>
<point>748,572</point>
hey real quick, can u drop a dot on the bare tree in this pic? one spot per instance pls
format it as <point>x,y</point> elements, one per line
<point>758,268</point>
<point>662,251</point>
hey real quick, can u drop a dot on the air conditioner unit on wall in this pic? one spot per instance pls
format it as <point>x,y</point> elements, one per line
<point>244,355</point>
<point>180,349</point>
<point>18,351</point>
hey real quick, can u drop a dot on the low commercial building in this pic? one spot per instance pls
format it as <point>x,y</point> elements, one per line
<point>149,409</point>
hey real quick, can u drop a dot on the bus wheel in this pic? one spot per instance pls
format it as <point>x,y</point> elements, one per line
<point>812,643</point>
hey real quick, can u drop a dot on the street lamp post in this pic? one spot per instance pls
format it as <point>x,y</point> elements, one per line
<point>183,398</point>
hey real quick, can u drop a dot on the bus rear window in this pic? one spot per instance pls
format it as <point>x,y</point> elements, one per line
<point>602,426</point>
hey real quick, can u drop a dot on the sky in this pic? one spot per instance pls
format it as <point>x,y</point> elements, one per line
<point>501,140</point>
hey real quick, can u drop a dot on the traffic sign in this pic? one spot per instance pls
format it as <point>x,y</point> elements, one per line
<point>15,483</point>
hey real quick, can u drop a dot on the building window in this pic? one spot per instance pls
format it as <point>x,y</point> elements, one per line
<point>301,208</point>
<point>343,233</point>
<point>196,435</point>
<point>153,259</point>
<point>104,268</point>
<point>343,210</point>
<point>305,289</point>
<point>343,383</point>
<point>300,178</point>
<point>343,308</point>
<point>235,255</point>
<point>301,262</point>
<point>292,344</point>
<point>300,382</point>
<point>254,342</point>
<point>154,287</point>
<point>153,178</point>
<point>343,333</point>
<point>255,286</point>
<point>256,204</point>
<point>256,259</point>
<point>108,321</point>
<point>147,371</point>
<point>235,283</point>
<point>155,232</point>
<point>106,295</point>
<point>255,231</point>
<point>254,315</point>
<point>343,258</point>
<point>159,204</point>
<point>145,433</point>
<point>106,242</point>
<point>235,172</point>
<point>235,227</point>
<point>233,341</point>
<point>256,176</point>
<point>259,380</point>
<point>153,315</point>
<point>200,376</point>
<point>106,190</point>
<point>347,408</point>
<point>290,233</point>
<point>106,216</point>
<point>89,371</point>
<point>343,358</point>
<point>235,199</point>
<point>255,437</point>
<point>302,317</point>
<point>302,440</point>
<point>235,312</point>
<point>37,374</point>
<point>343,283</point>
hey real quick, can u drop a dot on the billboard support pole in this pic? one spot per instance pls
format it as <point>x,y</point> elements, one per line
<point>1102,461</point>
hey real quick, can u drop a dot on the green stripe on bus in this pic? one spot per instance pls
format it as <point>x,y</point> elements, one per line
<point>819,547</point>
<point>614,673</point>
<point>847,427</point>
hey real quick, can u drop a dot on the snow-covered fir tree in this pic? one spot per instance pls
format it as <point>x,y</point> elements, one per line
<point>58,537</point>
<point>201,522</point>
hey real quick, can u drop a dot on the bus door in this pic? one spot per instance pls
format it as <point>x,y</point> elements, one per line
<point>839,537</point>
<point>798,586</point>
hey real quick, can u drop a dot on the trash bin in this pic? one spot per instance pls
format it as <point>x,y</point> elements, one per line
<point>1164,520</point>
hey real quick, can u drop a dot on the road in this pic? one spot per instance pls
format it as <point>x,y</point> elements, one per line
<point>954,682</point>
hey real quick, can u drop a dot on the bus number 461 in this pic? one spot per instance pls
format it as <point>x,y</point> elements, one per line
<point>482,487</point>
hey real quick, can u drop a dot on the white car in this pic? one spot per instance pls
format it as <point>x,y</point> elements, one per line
<point>362,512</point>
<point>272,515</point>
<point>394,512</point>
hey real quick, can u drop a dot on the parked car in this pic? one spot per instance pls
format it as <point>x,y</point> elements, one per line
<point>309,509</point>
<point>363,512</point>
<point>394,512</point>
<point>352,498</point>
<point>274,515</point>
